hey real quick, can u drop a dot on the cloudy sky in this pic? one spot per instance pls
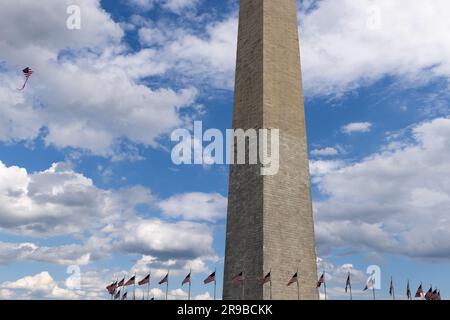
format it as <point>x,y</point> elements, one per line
<point>88,191</point>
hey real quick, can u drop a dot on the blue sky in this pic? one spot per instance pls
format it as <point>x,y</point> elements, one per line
<point>86,177</point>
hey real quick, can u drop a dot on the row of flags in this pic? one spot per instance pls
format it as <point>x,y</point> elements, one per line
<point>239,279</point>
<point>117,288</point>
<point>430,295</point>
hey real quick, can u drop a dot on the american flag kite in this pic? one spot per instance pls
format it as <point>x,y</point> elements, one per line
<point>239,279</point>
<point>27,72</point>
<point>145,280</point>
<point>294,279</point>
<point>211,278</point>
<point>187,279</point>
<point>165,279</point>
<point>267,278</point>
<point>321,280</point>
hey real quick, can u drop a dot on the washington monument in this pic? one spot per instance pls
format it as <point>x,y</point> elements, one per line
<point>270,224</point>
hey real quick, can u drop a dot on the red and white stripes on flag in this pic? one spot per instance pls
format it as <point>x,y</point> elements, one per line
<point>419,292</point>
<point>187,279</point>
<point>267,278</point>
<point>321,280</point>
<point>145,280</point>
<point>238,279</point>
<point>294,279</point>
<point>165,279</point>
<point>112,288</point>
<point>130,282</point>
<point>369,284</point>
<point>211,278</point>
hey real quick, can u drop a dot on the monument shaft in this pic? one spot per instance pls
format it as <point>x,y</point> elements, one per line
<point>270,223</point>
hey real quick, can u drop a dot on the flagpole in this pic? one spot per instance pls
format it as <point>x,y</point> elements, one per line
<point>373,290</point>
<point>298,287</point>
<point>325,285</point>
<point>393,289</point>
<point>215,277</point>
<point>270,284</point>
<point>190,277</point>
<point>350,286</point>
<point>167,286</point>
<point>148,285</point>
<point>243,286</point>
<point>134,287</point>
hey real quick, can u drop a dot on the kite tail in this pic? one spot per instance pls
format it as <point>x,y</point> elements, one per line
<point>24,84</point>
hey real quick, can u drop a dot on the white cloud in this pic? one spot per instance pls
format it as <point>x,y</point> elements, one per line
<point>394,201</point>
<point>144,5</point>
<point>319,168</point>
<point>41,285</point>
<point>203,296</point>
<point>87,87</point>
<point>356,127</point>
<point>175,6</point>
<point>325,152</point>
<point>180,240</point>
<point>63,255</point>
<point>195,206</point>
<point>60,201</point>
<point>344,46</point>
<point>179,5</point>
<point>207,58</point>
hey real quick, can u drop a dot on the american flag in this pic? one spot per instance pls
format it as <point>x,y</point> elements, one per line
<point>125,296</point>
<point>165,279</point>
<point>239,279</point>
<point>187,279</point>
<point>435,295</point>
<point>130,282</point>
<point>321,280</point>
<point>121,282</point>
<point>27,72</point>
<point>369,284</point>
<point>391,288</point>
<point>112,287</point>
<point>348,284</point>
<point>267,278</point>
<point>211,278</point>
<point>145,280</point>
<point>117,296</point>
<point>408,291</point>
<point>429,294</point>
<point>419,292</point>
<point>294,279</point>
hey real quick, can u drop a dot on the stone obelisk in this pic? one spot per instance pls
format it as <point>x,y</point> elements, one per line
<point>270,223</point>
